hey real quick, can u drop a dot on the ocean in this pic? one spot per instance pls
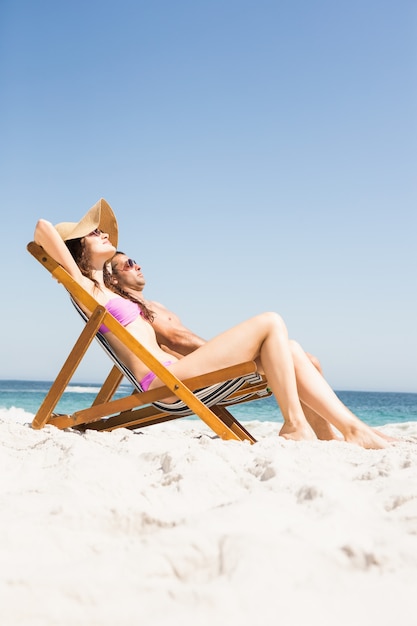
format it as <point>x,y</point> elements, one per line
<point>374,408</point>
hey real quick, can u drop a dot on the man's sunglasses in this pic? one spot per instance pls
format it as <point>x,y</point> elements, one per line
<point>128,265</point>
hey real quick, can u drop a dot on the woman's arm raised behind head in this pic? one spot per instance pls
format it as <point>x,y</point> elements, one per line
<point>48,237</point>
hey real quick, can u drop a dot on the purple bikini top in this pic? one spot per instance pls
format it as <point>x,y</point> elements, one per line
<point>124,310</point>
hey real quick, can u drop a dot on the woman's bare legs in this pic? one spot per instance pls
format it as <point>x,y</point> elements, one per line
<point>290,374</point>
<point>316,393</point>
<point>264,336</point>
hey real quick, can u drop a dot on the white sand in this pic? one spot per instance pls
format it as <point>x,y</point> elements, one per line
<point>173,526</point>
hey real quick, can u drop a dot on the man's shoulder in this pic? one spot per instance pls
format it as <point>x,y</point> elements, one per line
<point>156,306</point>
<point>162,312</point>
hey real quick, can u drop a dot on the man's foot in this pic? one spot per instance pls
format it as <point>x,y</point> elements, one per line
<point>366,437</point>
<point>385,436</point>
<point>324,431</point>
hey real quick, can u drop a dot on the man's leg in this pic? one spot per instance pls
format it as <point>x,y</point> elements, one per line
<point>321,427</point>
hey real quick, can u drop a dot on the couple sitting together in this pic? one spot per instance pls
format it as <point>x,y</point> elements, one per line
<point>87,250</point>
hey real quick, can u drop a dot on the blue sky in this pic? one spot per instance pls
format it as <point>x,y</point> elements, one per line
<point>259,155</point>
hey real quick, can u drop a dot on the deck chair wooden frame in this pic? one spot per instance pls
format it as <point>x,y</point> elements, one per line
<point>136,410</point>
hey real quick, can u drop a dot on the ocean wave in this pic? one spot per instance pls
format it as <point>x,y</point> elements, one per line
<point>92,389</point>
<point>79,389</point>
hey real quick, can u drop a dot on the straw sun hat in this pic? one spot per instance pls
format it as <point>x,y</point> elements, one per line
<point>99,216</point>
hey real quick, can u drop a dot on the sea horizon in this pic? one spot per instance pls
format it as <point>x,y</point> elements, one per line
<point>96,383</point>
<point>376,408</point>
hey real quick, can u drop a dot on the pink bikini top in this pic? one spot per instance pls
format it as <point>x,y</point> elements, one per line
<point>124,310</point>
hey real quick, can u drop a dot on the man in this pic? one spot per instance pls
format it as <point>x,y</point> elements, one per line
<point>169,329</point>
<point>173,336</point>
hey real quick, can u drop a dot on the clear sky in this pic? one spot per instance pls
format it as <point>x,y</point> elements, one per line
<point>258,154</point>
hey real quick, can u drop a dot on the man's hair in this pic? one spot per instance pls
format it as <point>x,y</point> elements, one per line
<point>117,253</point>
<point>147,313</point>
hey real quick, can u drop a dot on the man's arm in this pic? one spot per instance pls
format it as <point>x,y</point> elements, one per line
<point>171,333</point>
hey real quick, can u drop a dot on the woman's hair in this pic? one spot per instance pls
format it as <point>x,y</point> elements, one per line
<point>80,256</point>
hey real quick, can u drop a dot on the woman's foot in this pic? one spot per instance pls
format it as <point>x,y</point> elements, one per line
<point>297,432</point>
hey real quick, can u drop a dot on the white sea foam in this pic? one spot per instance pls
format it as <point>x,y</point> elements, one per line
<point>79,389</point>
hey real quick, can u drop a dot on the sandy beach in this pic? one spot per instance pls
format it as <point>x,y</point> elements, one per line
<point>172,525</point>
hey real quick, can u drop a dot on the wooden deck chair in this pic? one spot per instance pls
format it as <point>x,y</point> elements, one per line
<point>213,392</point>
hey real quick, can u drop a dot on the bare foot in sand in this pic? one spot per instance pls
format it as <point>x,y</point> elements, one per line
<point>324,431</point>
<point>365,437</point>
<point>300,432</point>
<point>385,436</point>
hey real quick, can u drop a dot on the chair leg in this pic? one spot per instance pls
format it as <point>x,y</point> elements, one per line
<point>67,371</point>
<point>109,387</point>
<point>234,425</point>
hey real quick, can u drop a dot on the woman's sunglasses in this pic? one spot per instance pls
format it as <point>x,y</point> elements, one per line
<point>95,233</point>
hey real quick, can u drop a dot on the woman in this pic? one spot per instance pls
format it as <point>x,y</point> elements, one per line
<point>84,247</point>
